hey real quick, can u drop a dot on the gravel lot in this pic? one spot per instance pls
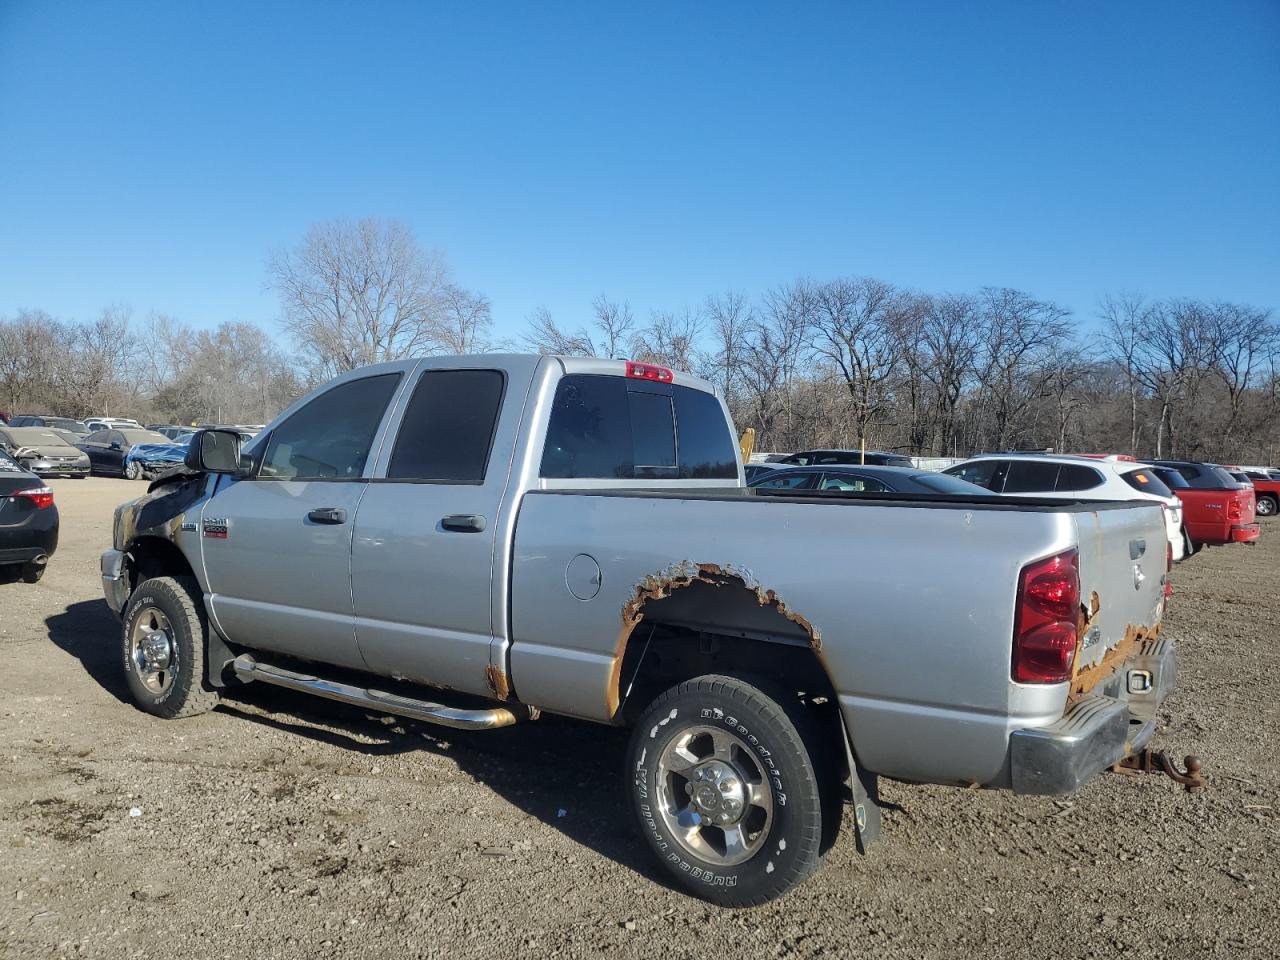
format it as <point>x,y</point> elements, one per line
<point>281,826</point>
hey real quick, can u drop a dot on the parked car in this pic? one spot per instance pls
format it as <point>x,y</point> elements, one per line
<point>573,536</point>
<point>1216,508</point>
<point>754,470</point>
<point>43,451</point>
<point>65,424</point>
<point>846,479</point>
<point>28,520</point>
<point>807,458</point>
<point>1266,490</point>
<point>148,460</point>
<point>108,448</point>
<point>1096,477</point>
<point>94,424</point>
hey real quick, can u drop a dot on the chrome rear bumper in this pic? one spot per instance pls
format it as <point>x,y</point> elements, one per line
<point>1097,731</point>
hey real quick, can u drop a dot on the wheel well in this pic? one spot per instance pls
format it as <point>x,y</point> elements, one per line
<point>156,557</point>
<point>704,620</point>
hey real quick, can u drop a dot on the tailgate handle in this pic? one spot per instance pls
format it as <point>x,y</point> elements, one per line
<point>463,523</point>
<point>1137,549</point>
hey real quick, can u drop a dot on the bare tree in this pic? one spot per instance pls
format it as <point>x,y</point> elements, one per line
<point>360,293</point>
<point>854,325</point>
<point>729,316</point>
<point>670,339</point>
<point>546,336</point>
<point>465,322</point>
<point>616,326</point>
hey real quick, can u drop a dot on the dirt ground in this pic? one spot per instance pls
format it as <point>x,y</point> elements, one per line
<point>281,826</point>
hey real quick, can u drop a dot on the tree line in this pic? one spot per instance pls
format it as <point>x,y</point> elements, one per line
<point>812,362</point>
<point>817,363</point>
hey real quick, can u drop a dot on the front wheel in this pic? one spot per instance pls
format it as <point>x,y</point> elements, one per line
<point>132,471</point>
<point>727,791</point>
<point>1266,506</point>
<point>164,648</point>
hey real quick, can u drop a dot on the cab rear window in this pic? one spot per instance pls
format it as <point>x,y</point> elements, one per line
<point>604,427</point>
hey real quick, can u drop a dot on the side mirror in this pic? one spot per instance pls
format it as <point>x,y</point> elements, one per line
<point>215,451</point>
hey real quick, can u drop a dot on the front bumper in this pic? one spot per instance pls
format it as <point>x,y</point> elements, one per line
<point>1245,532</point>
<point>44,468</point>
<point>115,580</point>
<point>1098,731</point>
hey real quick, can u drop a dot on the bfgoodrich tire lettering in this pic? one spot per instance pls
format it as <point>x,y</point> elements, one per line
<point>167,612</point>
<point>746,735</point>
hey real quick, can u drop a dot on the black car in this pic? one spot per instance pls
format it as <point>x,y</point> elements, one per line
<point>108,448</point>
<point>28,521</point>
<point>872,479</point>
<point>754,470</point>
<point>871,458</point>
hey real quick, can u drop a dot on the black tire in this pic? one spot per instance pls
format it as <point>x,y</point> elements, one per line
<point>790,758</point>
<point>32,571</point>
<point>181,690</point>
<point>1266,506</point>
<point>131,471</point>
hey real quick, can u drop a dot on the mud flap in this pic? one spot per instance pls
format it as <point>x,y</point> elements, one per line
<point>866,796</point>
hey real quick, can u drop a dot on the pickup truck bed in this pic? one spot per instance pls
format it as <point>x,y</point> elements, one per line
<point>909,575</point>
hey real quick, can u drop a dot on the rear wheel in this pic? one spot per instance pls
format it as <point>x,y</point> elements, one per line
<point>1266,506</point>
<point>731,790</point>
<point>164,648</point>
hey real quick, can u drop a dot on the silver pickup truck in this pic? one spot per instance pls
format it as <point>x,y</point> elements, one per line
<point>474,541</point>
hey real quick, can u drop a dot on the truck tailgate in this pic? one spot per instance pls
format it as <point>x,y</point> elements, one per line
<point>1123,563</point>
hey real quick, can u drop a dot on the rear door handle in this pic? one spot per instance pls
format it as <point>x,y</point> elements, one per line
<point>463,522</point>
<point>328,515</point>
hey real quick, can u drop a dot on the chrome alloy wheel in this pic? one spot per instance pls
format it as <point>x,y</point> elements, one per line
<point>152,650</point>
<point>1265,506</point>
<point>714,796</point>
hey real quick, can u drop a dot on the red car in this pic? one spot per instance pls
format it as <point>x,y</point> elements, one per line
<point>1216,508</point>
<point>1266,489</point>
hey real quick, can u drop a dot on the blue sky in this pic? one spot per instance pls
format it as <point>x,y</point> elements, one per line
<point>155,154</point>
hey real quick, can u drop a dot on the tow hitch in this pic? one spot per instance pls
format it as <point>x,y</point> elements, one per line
<point>1147,760</point>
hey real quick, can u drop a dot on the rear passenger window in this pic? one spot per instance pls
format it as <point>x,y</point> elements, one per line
<point>1031,476</point>
<point>1073,477</point>
<point>601,428</point>
<point>329,438</point>
<point>1147,482</point>
<point>447,431</point>
<point>797,480</point>
<point>982,472</point>
<point>850,484</point>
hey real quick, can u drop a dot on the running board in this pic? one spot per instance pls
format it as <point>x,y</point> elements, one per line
<point>249,669</point>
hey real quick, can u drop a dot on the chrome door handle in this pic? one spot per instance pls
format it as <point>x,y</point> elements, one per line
<point>463,522</point>
<point>328,515</point>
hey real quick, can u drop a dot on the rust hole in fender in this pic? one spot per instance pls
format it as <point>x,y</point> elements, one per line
<point>497,680</point>
<point>656,586</point>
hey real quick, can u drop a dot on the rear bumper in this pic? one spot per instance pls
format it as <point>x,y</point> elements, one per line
<point>1245,532</point>
<point>115,580</point>
<point>1097,731</point>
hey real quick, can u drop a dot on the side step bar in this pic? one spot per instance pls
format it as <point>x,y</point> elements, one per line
<point>249,669</point>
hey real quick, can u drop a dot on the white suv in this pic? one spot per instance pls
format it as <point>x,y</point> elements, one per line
<point>1073,477</point>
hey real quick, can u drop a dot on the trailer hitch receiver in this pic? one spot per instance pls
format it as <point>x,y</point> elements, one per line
<point>1147,760</point>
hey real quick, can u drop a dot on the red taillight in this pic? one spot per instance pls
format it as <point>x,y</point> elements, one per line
<point>1046,620</point>
<point>649,371</point>
<point>41,496</point>
<point>1233,509</point>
